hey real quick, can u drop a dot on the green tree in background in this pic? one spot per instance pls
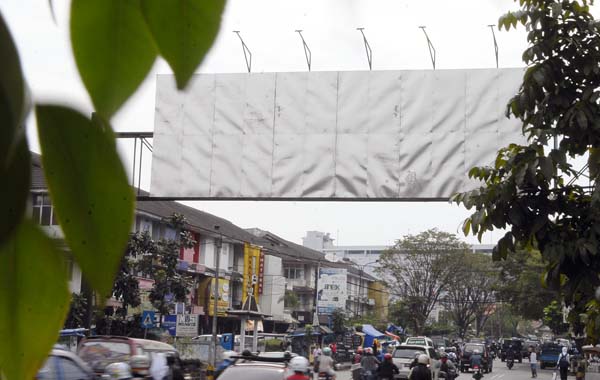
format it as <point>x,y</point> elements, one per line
<point>77,312</point>
<point>418,268</point>
<point>553,318</point>
<point>531,190</point>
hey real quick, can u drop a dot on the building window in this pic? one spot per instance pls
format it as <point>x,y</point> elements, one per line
<point>293,273</point>
<point>43,212</point>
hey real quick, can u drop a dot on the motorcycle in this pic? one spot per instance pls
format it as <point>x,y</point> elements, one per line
<point>477,375</point>
<point>448,375</point>
<point>510,363</point>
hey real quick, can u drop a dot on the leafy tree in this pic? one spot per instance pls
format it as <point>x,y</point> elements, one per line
<point>290,300</point>
<point>470,292</point>
<point>529,190</point>
<point>553,318</point>
<point>339,320</point>
<point>115,44</point>
<point>77,312</point>
<point>400,314</point>
<point>520,284</point>
<point>418,268</point>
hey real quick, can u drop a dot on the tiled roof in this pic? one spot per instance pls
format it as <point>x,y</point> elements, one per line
<point>284,248</point>
<point>38,181</point>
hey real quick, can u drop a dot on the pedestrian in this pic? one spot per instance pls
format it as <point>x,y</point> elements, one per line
<point>316,352</point>
<point>580,367</point>
<point>563,364</point>
<point>387,369</point>
<point>375,347</point>
<point>533,361</point>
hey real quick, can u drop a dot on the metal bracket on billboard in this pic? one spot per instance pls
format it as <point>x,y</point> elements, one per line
<point>491,26</point>
<point>429,45</point>
<point>247,52</point>
<point>143,138</point>
<point>307,52</point>
<point>367,48</point>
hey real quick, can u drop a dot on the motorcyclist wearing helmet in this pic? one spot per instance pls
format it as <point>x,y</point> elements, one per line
<point>510,354</point>
<point>118,371</point>
<point>299,365</point>
<point>326,363</point>
<point>421,371</point>
<point>357,356</point>
<point>387,368</point>
<point>447,366</point>
<point>415,361</point>
<point>369,364</point>
<point>476,358</point>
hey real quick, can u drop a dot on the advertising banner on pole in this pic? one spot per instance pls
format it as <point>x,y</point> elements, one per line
<point>187,325</point>
<point>253,271</point>
<point>331,290</point>
<point>224,298</point>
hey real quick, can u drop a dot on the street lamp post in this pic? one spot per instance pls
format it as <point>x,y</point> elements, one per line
<point>361,269</point>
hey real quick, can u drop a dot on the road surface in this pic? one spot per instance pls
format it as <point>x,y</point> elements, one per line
<point>500,372</point>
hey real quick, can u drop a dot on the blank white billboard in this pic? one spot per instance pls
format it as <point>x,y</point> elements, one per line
<point>335,135</point>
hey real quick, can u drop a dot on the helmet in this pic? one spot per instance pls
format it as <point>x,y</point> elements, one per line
<point>476,351</point>
<point>387,356</point>
<point>327,351</point>
<point>359,350</point>
<point>369,351</point>
<point>444,355</point>
<point>299,364</point>
<point>417,354</point>
<point>117,371</point>
<point>423,359</point>
<point>228,354</point>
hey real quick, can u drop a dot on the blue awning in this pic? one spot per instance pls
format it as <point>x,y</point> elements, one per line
<point>370,330</point>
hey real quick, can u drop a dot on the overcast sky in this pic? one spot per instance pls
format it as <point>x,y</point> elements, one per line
<point>458,29</point>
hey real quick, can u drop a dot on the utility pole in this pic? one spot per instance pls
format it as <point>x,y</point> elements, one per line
<point>218,243</point>
<point>316,314</point>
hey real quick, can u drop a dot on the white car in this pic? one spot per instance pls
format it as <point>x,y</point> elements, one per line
<point>405,354</point>
<point>419,341</point>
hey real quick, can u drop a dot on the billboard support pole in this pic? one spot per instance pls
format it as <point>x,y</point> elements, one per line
<point>316,314</point>
<point>307,52</point>
<point>491,26</point>
<point>429,46</point>
<point>218,242</point>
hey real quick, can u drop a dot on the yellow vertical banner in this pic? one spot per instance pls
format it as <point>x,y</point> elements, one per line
<point>251,270</point>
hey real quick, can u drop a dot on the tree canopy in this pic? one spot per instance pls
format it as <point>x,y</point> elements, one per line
<point>535,190</point>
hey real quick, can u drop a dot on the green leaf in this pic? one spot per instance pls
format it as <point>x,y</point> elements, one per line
<point>467,226</point>
<point>113,49</point>
<point>14,154</point>
<point>15,174</point>
<point>89,190</point>
<point>12,91</point>
<point>34,299</point>
<point>184,32</point>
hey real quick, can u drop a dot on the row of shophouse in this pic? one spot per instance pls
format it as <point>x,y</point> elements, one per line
<point>285,266</point>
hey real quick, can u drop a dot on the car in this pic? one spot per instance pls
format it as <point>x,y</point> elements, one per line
<point>62,364</point>
<point>486,359</point>
<point>99,351</point>
<point>249,366</point>
<point>549,355</point>
<point>516,344</point>
<point>419,341</point>
<point>403,356</point>
<point>441,342</point>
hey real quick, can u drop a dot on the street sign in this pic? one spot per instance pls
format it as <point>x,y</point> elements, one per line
<point>148,319</point>
<point>187,325</point>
